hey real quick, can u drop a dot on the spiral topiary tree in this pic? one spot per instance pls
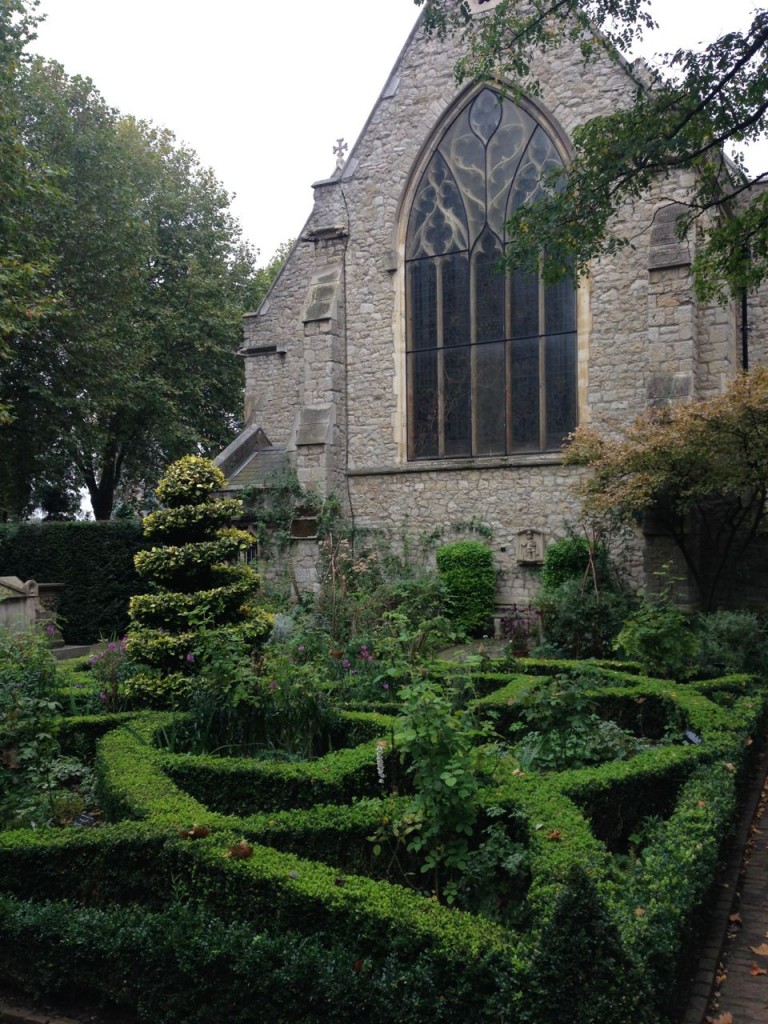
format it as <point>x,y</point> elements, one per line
<point>194,585</point>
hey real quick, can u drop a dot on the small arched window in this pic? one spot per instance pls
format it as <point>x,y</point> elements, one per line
<point>491,357</point>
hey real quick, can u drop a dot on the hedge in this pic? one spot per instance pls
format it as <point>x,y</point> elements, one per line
<point>94,561</point>
<point>602,944</point>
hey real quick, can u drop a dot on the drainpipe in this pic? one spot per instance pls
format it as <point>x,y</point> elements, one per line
<point>744,331</point>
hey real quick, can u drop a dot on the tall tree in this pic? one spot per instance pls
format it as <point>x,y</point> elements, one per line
<point>139,365</point>
<point>23,254</point>
<point>701,100</point>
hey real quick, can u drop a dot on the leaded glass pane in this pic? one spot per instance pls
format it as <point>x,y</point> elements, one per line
<point>560,307</point>
<point>464,153</point>
<point>438,222</point>
<point>489,399</point>
<point>489,291</point>
<point>560,378</point>
<point>526,430</point>
<point>505,152</point>
<point>524,297</point>
<point>422,304</point>
<point>455,294</point>
<point>457,391</point>
<point>485,115</point>
<point>424,401</point>
<point>491,358</point>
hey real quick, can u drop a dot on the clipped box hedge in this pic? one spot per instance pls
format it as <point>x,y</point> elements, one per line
<point>601,945</point>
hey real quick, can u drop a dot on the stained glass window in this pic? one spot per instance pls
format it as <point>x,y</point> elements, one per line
<point>491,357</point>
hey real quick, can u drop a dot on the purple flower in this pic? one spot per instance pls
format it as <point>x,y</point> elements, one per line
<point>300,647</point>
<point>273,684</point>
<point>385,685</point>
<point>102,696</point>
<point>50,629</point>
<point>190,657</point>
<point>345,663</point>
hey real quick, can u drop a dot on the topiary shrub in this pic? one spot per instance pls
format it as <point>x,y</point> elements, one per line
<point>466,570</point>
<point>194,589</point>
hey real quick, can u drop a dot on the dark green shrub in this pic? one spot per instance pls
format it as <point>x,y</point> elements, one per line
<point>571,558</point>
<point>94,561</point>
<point>730,641</point>
<point>580,621</point>
<point>581,972</point>
<point>659,636</point>
<point>466,570</point>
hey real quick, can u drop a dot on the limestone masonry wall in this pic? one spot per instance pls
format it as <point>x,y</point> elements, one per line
<point>331,332</point>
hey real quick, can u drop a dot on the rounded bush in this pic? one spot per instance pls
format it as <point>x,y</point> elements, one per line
<point>190,481</point>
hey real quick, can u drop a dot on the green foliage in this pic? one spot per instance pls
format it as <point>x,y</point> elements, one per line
<point>110,671</point>
<point>698,469</point>
<point>193,590</point>
<point>581,972</point>
<point>439,743</point>
<point>702,99</point>
<point>94,562</point>
<point>284,712</point>
<point>581,606</point>
<point>133,359</point>
<point>537,858</point>
<point>730,641</point>
<point>466,570</point>
<point>26,664</point>
<point>24,255</point>
<point>563,730</point>
<point>665,890</point>
<point>189,481</point>
<point>574,558</point>
<point>581,621</point>
<point>37,785</point>
<point>660,637</point>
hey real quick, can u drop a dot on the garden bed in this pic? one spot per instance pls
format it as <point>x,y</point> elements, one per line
<point>232,880</point>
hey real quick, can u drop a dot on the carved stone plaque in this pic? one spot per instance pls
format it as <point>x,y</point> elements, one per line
<point>529,547</point>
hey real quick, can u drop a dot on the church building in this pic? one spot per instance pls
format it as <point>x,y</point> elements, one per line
<point>393,365</point>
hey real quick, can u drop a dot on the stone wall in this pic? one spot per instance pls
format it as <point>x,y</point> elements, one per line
<point>331,334</point>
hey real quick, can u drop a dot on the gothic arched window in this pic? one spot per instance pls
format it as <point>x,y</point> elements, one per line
<point>491,357</point>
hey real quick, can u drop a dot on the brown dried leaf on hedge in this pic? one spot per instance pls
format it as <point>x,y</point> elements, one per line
<point>240,851</point>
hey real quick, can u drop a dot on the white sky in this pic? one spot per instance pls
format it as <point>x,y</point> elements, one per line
<point>261,89</point>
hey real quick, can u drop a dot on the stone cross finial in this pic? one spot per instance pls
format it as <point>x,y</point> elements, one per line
<point>339,150</point>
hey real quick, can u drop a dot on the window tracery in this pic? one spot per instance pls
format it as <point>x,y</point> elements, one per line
<point>491,357</point>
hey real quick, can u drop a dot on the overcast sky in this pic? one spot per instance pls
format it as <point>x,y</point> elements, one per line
<point>261,89</point>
